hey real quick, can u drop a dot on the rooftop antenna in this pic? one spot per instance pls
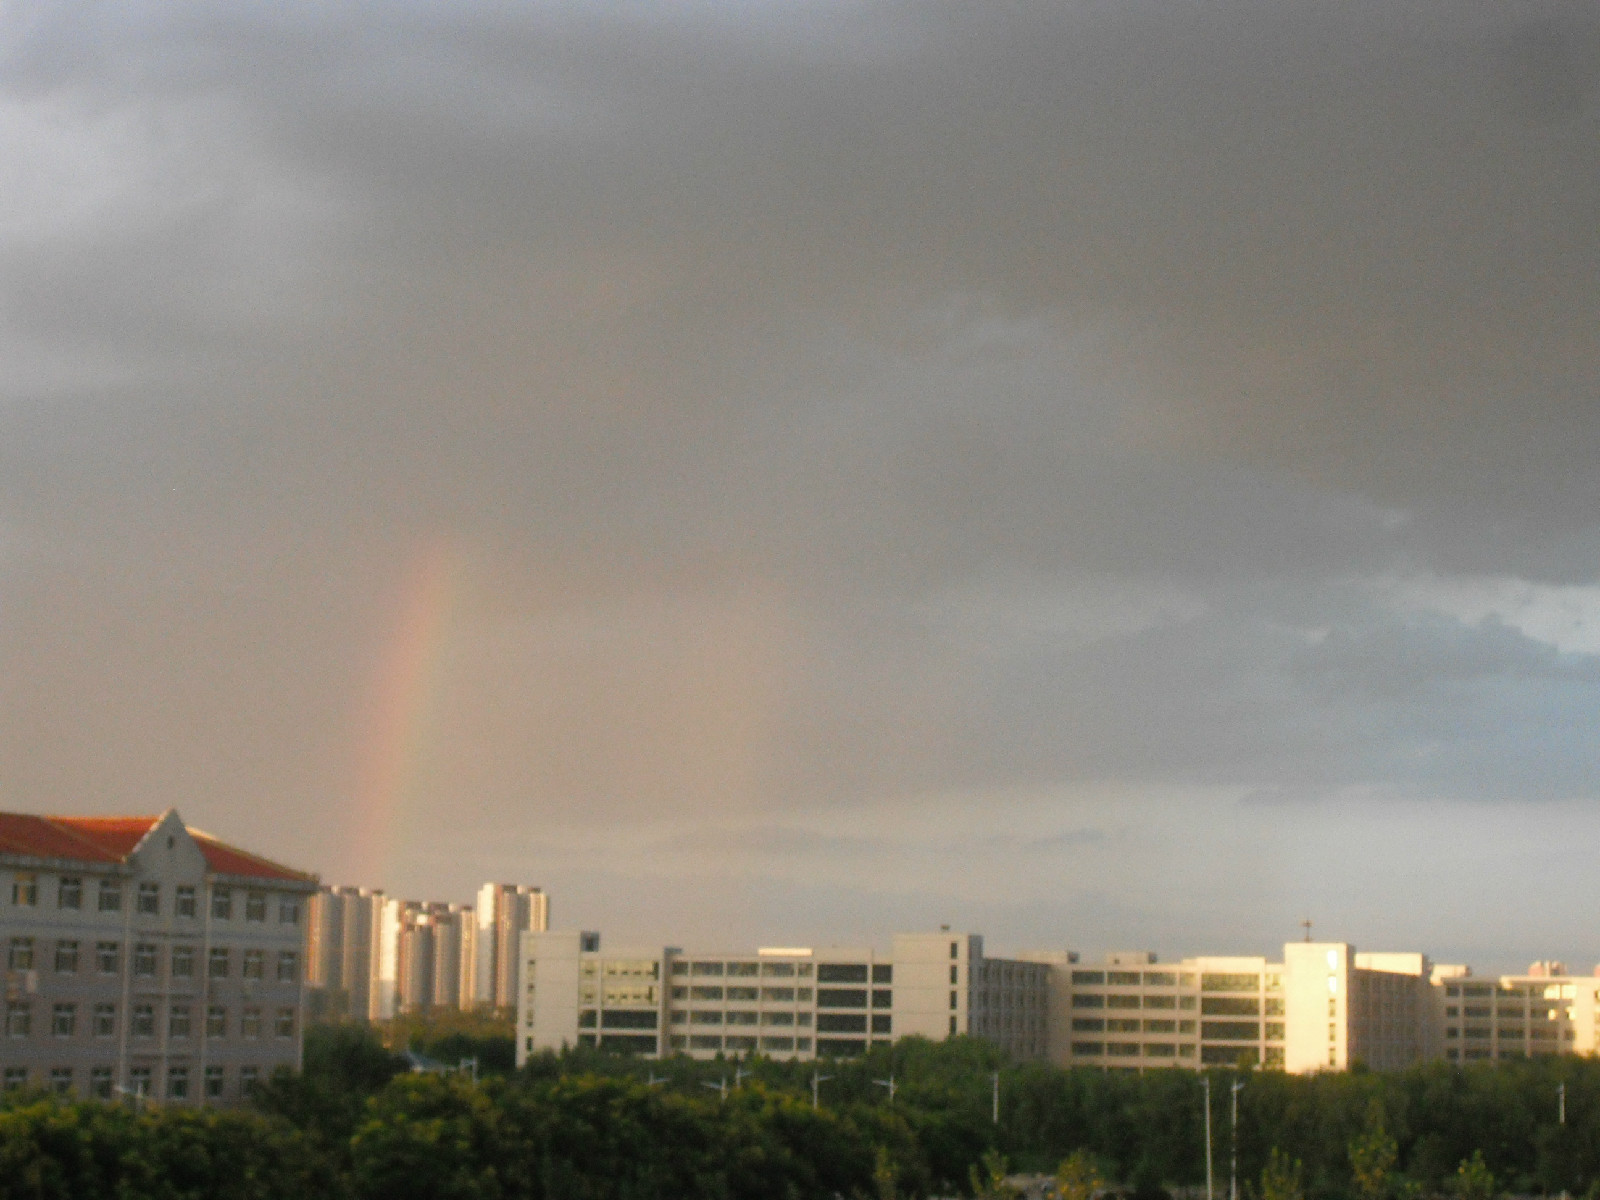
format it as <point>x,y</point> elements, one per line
<point>1306,925</point>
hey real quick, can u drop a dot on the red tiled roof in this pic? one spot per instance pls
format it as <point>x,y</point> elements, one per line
<point>41,837</point>
<point>116,835</point>
<point>230,860</point>
<point>112,839</point>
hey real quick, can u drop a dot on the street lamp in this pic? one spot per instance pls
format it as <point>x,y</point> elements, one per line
<point>1205,1083</point>
<point>887,1083</point>
<point>1233,1164</point>
<point>816,1082</point>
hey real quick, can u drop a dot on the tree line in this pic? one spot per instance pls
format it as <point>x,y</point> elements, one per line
<point>915,1119</point>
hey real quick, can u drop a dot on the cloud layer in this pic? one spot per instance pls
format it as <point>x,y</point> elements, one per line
<point>1042,415</point>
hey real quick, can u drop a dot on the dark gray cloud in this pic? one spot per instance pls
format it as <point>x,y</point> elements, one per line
<point>822,409</point>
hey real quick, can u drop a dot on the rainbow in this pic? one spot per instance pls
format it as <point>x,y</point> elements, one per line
<point>398,710</point>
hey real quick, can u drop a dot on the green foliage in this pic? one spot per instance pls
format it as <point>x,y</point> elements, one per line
<point>1474,1180</point>
<point>1078,1177</point>
<point>1283,1178</point>
<point>1373,1154</point>
<point>355,1126</point>
<point>988,1177</point>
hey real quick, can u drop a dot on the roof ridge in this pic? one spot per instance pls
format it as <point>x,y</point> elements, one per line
<point>69,827</point>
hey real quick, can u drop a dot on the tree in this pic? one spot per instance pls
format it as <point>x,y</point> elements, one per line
<point>989,1182</point>
<point>1077,1178</point>
<point>1283,1178</point>
<point>1373,1154</point>
<point>1473,1180</point>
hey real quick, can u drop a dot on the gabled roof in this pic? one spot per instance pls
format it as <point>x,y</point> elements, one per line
<point>113,839</point>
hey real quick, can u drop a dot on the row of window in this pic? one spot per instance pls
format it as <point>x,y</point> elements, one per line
<point>1482,1033</point>
<point>1210,981</point>
<point>102,1081</point>
<point>716,1017</point>
<point>22,955</point>
<point>147,899</point>
<point>100,1020</point>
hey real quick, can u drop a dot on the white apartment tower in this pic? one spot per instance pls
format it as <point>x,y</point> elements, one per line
<point>505,911</point>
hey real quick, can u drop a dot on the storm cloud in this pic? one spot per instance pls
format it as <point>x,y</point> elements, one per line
<point>926,444</point>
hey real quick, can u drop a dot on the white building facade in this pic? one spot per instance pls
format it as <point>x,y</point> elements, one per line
<point>145,957</point>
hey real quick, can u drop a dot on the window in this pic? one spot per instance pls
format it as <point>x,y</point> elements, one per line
<point>64,1020</point>
<point>842,997</point>
<point>1229,983</point>
<point>254,965</point>
<point>100,1083</point>
<point>67,957</point>
<point>110,896</point>
<point>183,900</point>
<point>288,911</point>
<point>955,975</point>
<point>955,949</point>
<point>1088,1025</point>
<point>221,904</point>
<point>1086,1000</point>
<point>1123,978</point>
<point>289,967</point>
<point>1094,978</point>
<point>706,968</point>
<point>216,1021</point>
<point>105,1020</point>
<point>19,1018</point>
<point>1122,1000</point>
<point>1228,1006</point>
<point>69,892</point>
<point>15,1077</point>
<point>744,970</point>
<point>843,972</point>
<point>139,1081</point>
<point>177,1083</point>
<point>183,962</point>
<point>778,970</point>
<point>743,993</point>
<point>148,901</point>
<point>777,1018</point>
<point>255,906</point>
<point>178,1021</point>
<point>781,995</point>
<point>1222,1031</point>
<point>20,956</point>
<point>215,1078</point>
<point>705,993</point>
<point>25,889</point>
<point>144,1020</point>
<point>283,1026</point>
<point>883,973</point>
<point>144,958</point>
<point>217,964</point>
<point>248,1078</point>
<point>250,1023</point>
<point>107,958</point>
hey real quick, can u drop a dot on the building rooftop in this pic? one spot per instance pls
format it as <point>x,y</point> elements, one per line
<point>113,839</point>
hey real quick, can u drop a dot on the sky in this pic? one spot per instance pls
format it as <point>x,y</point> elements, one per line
<point>1104,475</point>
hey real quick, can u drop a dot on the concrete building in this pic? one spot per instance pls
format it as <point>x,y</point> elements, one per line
<point>1546,1011</point>
<point>143,956</point>
<point>784,1002</point>
<point>505,911</point>
<point>344,929</point>
<point>374,956</point>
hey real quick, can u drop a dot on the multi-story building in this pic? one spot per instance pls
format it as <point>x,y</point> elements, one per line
<point>505,911</point>
<point>345,927</point>
<point>374,957</point>
<point>1324,1006</point>
<point>1546,1011</point>
<point>146,957</point>
<point>785,1002</point>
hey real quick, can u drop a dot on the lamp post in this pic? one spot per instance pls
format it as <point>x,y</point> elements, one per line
<point>1233,1151</point>
<point>1561,1102</point>
<point>816,1083</point>
<point>997,1097</point>
<point>887,1083</point>
<point>1205,1083</point>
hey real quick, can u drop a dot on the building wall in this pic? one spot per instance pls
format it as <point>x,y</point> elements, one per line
<point>505,911</point>
<point>186,991</point>
<point>784,1002</point>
